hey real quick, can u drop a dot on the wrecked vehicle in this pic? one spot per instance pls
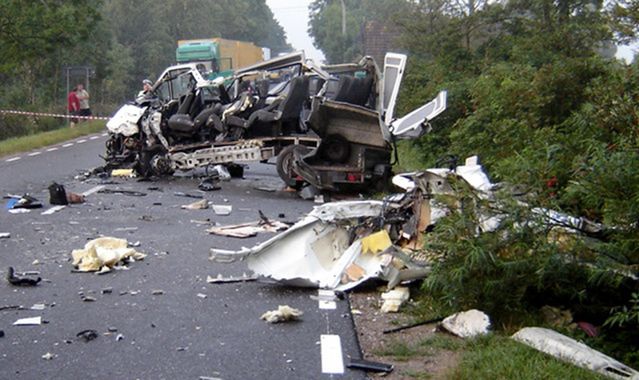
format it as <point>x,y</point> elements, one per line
<point>354,117</point>
<point>330,127</point>
<point>187,121</point>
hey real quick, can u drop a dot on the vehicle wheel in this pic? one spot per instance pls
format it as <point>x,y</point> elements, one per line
<point>335,148</point>
<point>284,165</point>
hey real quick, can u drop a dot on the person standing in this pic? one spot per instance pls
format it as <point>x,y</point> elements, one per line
<point>73,106</point>
<point>83,97</point>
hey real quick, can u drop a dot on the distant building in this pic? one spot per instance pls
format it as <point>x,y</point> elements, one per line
<point>378,38</point>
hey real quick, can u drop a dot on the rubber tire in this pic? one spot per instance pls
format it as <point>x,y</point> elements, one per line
<point>335,148</point>
<point>284,165</point>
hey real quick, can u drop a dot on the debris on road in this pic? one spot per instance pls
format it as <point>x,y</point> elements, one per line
<point>369,366</point>
<point>5,235</point>
<point>198,205</point>
<point>104,252</point>
<point>208,184</point>
<point>119,337</point>
<point>132,193</point>
<point>38,306</point>
<point>574,352</point>
<point>284,313</point>
<point>157,292</point>
<point>32,321</point>
<point>74,198</point>
<point>222,209</point>
<point>394,298</point>
<point>250,229</point>
<point>87,335</point>
<point>57,195</point>
<point>88,299</point>
<point>230,279</point>
<point>467,324</point>
<point>25,201</point>
<point>187,195</point>
<point>21,281</point>
<point>48,356</point>
<point>128,173</point>
<point>201,295</point>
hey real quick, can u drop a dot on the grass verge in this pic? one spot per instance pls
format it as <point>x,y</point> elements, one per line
<point>25,143</point>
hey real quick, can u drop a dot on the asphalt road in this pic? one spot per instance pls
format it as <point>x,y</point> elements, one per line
<point>192,330</point>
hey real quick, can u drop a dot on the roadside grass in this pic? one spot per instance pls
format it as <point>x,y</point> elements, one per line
<point>494,356</point>
<point>26,143</point>
<point>410,158</point>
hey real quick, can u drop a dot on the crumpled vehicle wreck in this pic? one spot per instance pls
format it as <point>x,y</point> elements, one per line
<point>328,125</point>
<point>339,245</point>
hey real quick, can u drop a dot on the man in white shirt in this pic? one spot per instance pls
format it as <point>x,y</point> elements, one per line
<point>83,97</point>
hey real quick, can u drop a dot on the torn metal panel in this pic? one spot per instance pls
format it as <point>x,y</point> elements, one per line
<point>574,352</point>
<point>415,123</point>
<point>245,230</point>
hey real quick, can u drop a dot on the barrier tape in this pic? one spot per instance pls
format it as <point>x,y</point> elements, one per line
<point>54,115</point>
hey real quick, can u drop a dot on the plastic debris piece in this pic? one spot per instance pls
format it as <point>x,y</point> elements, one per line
<point>104,251</point>
<point>245,230</point>
<point>571,351</point>
<point>119,337</point>
<point>467,324</point>
<point>284,313</point>
<point>376,242</point>
<point>222,209</point>
<point>19,211</point>
<point>208,184</point>
<point>230,279</point>
<point>181,194</point>
<point>32,321</point>
<point>48,356</point>
<point>5,235</point>
<point>38,306</point>
<point>393,299</point>
<point>88,299</point>
<point>201,295</point>
<point>369,366</point>
<point>122,173</point>
<point>157,292</point>
<point>74,198</point>
<point>87,335</point>
<point>199,205</point>
<point>1,333</point>
<point>21,281</point>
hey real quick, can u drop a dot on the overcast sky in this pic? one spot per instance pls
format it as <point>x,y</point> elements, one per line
<point>293,16</point>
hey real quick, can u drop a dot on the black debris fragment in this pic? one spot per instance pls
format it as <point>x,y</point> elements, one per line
<point>123,192</point>
<point>209,184</point>
<point>369,366</point>
<point>57,194</point>
<point>21,281</point>
<point>87,335</point>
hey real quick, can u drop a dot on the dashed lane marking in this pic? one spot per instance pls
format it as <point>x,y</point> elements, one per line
<point>52,149</point>
<point>13,159</point>
<point>67,145</point>
<point>94,137</point>
<point>81,141</point>
<point>34,154</point>
<point>105,134</point>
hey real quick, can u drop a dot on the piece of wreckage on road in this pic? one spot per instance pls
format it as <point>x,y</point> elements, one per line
<point>339,245</point>
<point>330,126</point>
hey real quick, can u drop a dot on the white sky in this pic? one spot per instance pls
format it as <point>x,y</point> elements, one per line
<point>293,17</point>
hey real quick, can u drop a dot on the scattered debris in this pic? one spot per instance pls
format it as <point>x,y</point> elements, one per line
<point>74,198</point>
<point>108,290</point>
<point>87,335</point>
<point>38,306</point>
<point>21,281</point>
<point>88,299</point>
<point>393,299</point>
<point>230,279</point>
<point>245,230</point>
<point>1,333</point>
<point>48,356</point>
<point>577,353</point>
<point>181,194</point>
<point>119,337</point>
<point>5,235</point>
<point>199,205</point>
<point>467,324</point>
<point>222,210</point>
<point>208,184</point>
<point>410,326</point>
<point>157,292</point>
<point>369,366</point>
<point>10,307</point>
<point>123,192</point>
<point>32,321</point>
<point>103,252</point>
<point>201,295</point>
<point>284,313</point>
<point>25,201</point>
<point>57,195</point>
<point>129,173</point>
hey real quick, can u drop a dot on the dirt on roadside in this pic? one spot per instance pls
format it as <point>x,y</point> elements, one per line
<point>404,349</point>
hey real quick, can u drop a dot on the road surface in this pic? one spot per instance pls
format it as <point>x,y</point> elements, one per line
<point>193,329</point>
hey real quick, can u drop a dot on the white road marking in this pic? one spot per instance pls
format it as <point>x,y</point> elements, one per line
<point>324,299</point>
<point>105,134</point>
<point>52,210</point>
<point>52,149</point>
<point>93,190</point>
<point>94,137</point>
<point>67,145</point>
<point>34,154</point>
<point>81,141</point>
<point>331,349</point>
<point>13,159</point>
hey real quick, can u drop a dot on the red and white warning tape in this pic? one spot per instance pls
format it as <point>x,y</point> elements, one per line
<point>54,115</point>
